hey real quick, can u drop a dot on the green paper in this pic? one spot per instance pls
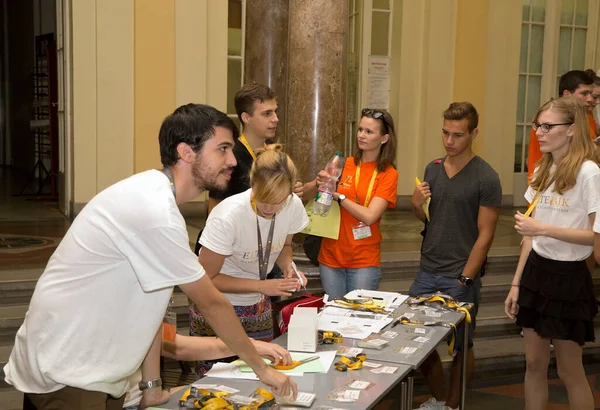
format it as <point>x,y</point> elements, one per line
<point>325,226</point>
<point>314,366</point>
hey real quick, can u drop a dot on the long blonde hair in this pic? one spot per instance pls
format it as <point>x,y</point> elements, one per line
<point>581,147</point>
<point>273,175</point>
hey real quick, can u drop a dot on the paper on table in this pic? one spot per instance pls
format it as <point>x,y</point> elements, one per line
<point>394,299</point>
<point>351,327</point>
<point>343,312</point>
<point>316,366</point>
<point>229,371</point>
<point>427,202</point>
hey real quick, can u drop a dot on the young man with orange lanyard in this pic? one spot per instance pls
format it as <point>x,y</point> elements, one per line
<point>579,84</point>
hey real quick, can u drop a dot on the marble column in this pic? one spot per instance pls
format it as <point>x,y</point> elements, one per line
<point>266,50</point>
<point>316,86</point>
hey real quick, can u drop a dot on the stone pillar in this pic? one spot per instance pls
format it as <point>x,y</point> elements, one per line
<point>316,86</point>
<point>266,50</point>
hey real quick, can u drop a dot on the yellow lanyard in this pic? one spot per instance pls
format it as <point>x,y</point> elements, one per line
<point>245,143</point>
<point>371,184</point>
<point>536,199</point>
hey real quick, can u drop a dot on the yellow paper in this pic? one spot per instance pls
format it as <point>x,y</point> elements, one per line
<point>324,226</point>
<point>426,204</point>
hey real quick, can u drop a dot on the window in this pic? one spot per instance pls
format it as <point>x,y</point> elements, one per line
<point>556,36</point>
<point>572,37</point>
<point>235,53</point>
<point>530,75</point>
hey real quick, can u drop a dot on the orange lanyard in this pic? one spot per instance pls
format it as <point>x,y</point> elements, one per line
<point>371,185</point>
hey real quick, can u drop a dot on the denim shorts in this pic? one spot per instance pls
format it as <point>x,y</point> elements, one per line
<point>427,283</point>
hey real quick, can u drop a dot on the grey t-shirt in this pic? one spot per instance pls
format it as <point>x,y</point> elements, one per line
<point>454,209</point>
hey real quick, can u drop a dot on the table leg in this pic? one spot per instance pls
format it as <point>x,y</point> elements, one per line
<point>410,387</point>
<point>463,375</point>
<point>403,395</point>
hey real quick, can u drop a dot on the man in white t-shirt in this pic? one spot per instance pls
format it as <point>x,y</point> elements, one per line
<point>98,305</point>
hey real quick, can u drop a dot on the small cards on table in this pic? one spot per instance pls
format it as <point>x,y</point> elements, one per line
<point>359,384</point>
<point>303,400</point>
<point>385,370</point>
<point>343,395</point>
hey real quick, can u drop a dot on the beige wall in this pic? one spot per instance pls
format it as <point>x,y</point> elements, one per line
<point>134,62</point>
<point>452,51</point>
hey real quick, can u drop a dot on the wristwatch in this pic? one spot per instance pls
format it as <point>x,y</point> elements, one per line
<point>150,384</point>
<point>468,282</point>
<point>341,197</point>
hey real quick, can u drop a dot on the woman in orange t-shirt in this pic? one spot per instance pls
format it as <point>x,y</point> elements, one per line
<point>367,187</point>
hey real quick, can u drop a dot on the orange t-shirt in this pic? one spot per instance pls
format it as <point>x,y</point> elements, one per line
<point>535,154</point>
<point>348,252</point>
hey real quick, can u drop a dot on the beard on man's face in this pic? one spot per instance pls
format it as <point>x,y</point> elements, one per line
<point>206,179</point>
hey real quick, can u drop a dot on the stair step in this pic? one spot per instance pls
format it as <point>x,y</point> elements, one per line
<point>4,354</point>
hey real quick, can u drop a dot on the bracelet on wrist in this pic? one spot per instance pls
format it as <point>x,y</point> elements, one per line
<point>513,285</point>
<point>150,384</point>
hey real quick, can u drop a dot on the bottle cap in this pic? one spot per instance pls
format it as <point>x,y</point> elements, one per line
<point>338,153</point>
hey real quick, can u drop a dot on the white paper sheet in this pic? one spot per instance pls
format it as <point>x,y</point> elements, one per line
<point>232,371</point>
<point>394,299</point>
<point>350,326</point>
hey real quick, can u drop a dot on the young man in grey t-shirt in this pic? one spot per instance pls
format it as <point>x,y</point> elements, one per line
<point>465,203</point>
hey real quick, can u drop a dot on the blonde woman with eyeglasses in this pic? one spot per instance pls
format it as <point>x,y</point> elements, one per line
<point>552,294</point>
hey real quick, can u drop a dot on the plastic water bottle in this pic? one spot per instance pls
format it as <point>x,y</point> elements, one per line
<point>325,194</point>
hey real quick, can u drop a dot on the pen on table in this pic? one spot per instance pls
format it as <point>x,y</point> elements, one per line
<point>394,300</point>
<point>370,297</point>
<point>298,274</point>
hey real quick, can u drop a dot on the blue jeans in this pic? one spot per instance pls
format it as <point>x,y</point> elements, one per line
<point>427,283</point>
<point>339,281</point>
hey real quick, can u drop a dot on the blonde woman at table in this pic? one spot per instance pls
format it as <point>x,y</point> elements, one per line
<point>245,235</point>
<point>552,294</point>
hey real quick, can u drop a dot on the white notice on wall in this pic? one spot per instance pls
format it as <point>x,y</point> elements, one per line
<point>379,65</point>
<point>378,87</point>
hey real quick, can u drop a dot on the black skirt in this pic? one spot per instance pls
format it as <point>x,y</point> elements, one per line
<point>557,299</point>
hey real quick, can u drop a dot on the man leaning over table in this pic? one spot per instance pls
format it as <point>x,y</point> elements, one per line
<point>98,305</point>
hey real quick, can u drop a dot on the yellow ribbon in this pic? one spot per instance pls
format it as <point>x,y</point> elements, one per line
<point>426,204</point>
<point>350,363</point>
<point>245,143</point>
<point>371,185</point>
<point>535,201</point>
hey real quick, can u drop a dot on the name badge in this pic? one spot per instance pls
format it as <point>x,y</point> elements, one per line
<point>361,231</point>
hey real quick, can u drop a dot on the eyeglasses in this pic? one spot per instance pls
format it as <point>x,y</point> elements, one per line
<point>546,127</point>
<point>378,115</point>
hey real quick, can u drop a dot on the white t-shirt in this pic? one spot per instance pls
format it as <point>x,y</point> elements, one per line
<point>569,210</point>
<point>97,306</point>
<point>231,230</point>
